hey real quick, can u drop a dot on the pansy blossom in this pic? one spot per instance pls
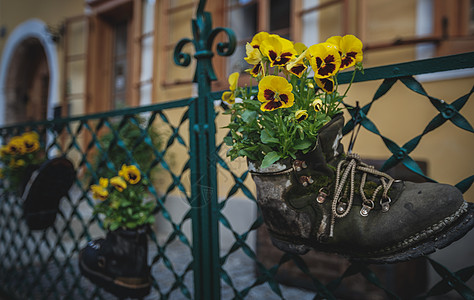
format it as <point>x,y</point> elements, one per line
<point>297,66</point>
<point>254,57</point>
<point>301,115</point>
<point>324,59</point>
<point>30,141</point>
<point>118,183</point>
<point>227,96</point>
<point>326,84</point>
<point>275,92</point>
<point>16,146</point>
<point>350,49</point>
<point>317,104</point>
<point>258,39</point>
<point>279,51</point>
<point>99,191</point>
<point>130,173</point>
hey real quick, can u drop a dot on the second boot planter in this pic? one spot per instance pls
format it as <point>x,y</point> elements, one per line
<point>329,201</point>
<point>43,190</point>
<point>118,263</point>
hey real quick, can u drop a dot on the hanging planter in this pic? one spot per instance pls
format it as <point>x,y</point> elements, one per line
<point>40,182</point>
<point>312,195</point>
<point>118,263</point>
<point>44,190</point>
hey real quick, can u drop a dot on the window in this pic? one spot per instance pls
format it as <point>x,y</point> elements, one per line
<point>120,62</point>
<point>247,18</point>
<point>116,41</point>
<point>454,23</point>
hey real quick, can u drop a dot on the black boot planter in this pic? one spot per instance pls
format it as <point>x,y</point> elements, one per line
<point>332,202</point>
<point>118,263</point>
<point>43,191</point>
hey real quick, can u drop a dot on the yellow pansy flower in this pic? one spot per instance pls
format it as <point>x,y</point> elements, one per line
<point>31,141</point>
<point>324,59</point>
<point>279,51</point>
<point>275,92</point>
<point>118,183</point>
<point>297,66</point>
<point>99,192</point>
<point>4,151</point>
<point>317,104</point>
<point>327,84</point>
<point>350,49</point>
<point>16,146</point>
<point>258,39</point>
<point>300,48</point>
<point>301,115</point>
<point>104,182</point>
<point>254,57</point>
<point>130,173</point>
<point>229,97</point>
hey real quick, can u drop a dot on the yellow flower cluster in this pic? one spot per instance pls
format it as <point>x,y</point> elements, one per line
<point>20,151</point>
<point>28,142</point>
<point>267,51</point>
<point>127,175</point>
<point>283,116</point>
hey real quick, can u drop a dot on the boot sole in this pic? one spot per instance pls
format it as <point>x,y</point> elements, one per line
<point>115,286</point>
<point>439,240</point>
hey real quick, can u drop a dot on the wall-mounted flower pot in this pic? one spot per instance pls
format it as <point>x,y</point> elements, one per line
<point>330,201</point>
<point>42,192</point>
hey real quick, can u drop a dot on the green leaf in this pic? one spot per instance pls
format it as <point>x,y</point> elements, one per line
<point>249,116</point>
<point>269,159</point>
<point>302,144</point>
<point>266,138</point>
<point>229,141</point>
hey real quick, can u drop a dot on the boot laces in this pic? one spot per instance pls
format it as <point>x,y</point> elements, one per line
<point>345,183</point>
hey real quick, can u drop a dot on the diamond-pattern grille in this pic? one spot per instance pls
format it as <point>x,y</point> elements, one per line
<point>43,264</point>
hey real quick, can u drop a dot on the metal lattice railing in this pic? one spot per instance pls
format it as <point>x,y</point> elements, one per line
<point>188,255</point>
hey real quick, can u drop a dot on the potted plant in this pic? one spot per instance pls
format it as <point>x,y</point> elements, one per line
<point>118,263</point>
<point>41,182</point>
<point>313,195</point>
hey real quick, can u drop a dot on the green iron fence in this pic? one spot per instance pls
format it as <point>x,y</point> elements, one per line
<point>188,257</point>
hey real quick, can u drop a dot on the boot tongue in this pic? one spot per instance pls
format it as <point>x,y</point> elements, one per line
<point>329,137</point>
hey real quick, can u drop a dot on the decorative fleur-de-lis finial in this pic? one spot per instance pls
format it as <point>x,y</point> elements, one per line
<point>204,37</point>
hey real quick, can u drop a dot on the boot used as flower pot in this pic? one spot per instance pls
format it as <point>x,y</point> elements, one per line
<point>43,190</point>
<point>329,201</point>
<point>118,263</point>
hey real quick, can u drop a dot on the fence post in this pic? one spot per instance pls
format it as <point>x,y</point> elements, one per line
<point>202,130</point>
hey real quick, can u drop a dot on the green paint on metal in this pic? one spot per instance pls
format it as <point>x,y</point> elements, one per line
<point>46,262</point>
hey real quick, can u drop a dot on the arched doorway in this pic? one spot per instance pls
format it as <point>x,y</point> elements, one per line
<point>28,74</point>
<point>27,83</point>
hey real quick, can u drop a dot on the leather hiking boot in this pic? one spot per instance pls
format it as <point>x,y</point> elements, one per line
<point>118,263</point>
<point>333,202</point>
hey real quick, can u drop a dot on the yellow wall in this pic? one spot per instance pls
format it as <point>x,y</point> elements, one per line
<point>51,12</point>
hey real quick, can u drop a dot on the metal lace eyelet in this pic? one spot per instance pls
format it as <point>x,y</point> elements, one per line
<point>364,211</point>
<point>298,165</point>
<point>385,204</point>
<point>341,208</point>
<point>306,180</point>
<point>322,194</point>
